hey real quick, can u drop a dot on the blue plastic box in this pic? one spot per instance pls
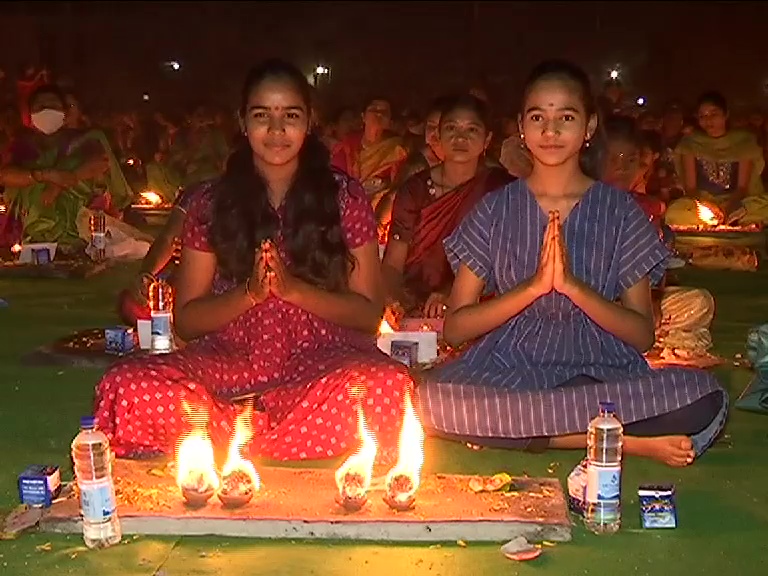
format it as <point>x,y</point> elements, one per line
<point>39,485</point>
<point>119,340</point>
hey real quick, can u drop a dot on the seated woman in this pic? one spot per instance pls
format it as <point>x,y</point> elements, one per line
<point>278,294</point>
<point>560,250</point>
<point>373,156</point>
<point>683,315</point>
<point>720,166</point>
<point>431,204</point>
<point>160,259</point>
<point>51,172</point>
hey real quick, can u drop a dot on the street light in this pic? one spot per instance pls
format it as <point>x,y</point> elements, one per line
<point>321,70</point>
<point>614,74</point>
<point>641,101</point>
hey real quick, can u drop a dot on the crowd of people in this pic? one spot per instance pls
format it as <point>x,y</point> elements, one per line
<point>539,239</point>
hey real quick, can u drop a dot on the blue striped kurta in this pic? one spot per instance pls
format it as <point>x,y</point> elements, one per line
<point>508,383</point>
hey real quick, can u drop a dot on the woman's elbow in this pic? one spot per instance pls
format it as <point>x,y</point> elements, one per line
<point>647,339</point>
<point>451,332</point>
<point>183,325</point>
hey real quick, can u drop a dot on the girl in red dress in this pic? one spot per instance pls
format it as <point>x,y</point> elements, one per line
<point>279,293</point>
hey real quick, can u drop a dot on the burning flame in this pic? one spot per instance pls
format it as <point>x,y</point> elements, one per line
<point>16,248</point>
<point>195,463</point>
<point>385,328</point>
<point>151,197</point>
<point>242,435</point>
<point>411,451</point>
<point>3,207</point>
<point>361,462</point>
<point>706,214</point>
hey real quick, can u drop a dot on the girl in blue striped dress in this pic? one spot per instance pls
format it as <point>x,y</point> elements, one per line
<point>571,261</point>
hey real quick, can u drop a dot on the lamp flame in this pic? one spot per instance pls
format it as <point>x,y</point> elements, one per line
<point>353,478</point>
<point>403,480</point>
<point>151,197</point>
<point>242,435</point>
<point>385,328</point>
<point>706,214</point>
<point>195,463</point>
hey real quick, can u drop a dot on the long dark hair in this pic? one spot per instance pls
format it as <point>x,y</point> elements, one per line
<point>242,217</point>
<point>591,158</point>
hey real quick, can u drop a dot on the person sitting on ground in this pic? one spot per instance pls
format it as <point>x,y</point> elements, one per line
<point>51,173</point>
<point>373,156</point>
<point>278,294</point>
<point>572,261</point>
<point>683,315</point>
<point>432,203</point>
<point>721,167</point>
<point>160,260</point>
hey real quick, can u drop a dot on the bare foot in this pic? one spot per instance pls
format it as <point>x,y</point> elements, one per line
<point>676,451</point>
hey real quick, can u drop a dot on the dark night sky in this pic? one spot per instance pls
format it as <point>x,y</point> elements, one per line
<point>409,50</point>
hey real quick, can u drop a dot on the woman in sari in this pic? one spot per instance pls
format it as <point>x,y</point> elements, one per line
<point>373,156</point>
<point>721,167</point>
<point>51,173</point>
<point>426,157</point>
<point>432,203</point>
<point>682,314</point>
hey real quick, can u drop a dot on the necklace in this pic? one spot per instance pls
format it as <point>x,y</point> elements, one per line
<point>432,186</point>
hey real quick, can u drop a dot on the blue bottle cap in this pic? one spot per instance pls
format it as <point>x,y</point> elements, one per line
<point>607,407</point>
<point>87,422</point>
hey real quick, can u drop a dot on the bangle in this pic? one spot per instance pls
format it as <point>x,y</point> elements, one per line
<point>248,293</point>
<point>148,276</point>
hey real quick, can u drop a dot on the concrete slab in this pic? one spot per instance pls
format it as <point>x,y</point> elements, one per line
<point>300,503</point>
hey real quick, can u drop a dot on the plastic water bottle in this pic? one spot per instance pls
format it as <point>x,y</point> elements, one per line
<point>99,235</point>
<point>602,513</point>
<point>93,469</point>
<point>161,311</point>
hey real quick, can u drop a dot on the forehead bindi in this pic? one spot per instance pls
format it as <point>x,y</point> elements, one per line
<point>276,96</point>
<point>554,96</point>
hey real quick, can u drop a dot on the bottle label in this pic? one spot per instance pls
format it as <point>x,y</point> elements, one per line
<point>97,500</point>
<point>603,483</point>
<point>99,240</point>
<point>161,324</point>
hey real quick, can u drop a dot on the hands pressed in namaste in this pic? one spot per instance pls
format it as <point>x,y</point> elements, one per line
<point>554,272</point>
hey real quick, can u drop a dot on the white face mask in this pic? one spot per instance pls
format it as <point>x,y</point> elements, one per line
<point>48,121</point>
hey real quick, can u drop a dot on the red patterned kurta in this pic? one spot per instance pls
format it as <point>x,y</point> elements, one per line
<point>302,363</point>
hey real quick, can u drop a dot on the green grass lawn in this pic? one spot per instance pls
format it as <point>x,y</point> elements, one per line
<point>722,499</point>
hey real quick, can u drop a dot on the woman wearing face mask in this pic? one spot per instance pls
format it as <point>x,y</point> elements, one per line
<point>431,204</point>
<point>720,166</point>
<point>52,172</point>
